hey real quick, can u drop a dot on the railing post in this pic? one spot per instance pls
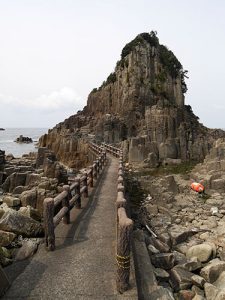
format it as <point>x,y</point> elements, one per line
<point>95,173</point>
<point>97,163</point>
<point>77,192</point>
<point>91,177</point>
<point>66,203</point>
<point>85,184</point>
<point>123,250</point>
<point>48,214</point>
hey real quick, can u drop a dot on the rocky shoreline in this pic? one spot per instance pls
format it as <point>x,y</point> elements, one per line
<point>184,235</point>
<point>24,184</point>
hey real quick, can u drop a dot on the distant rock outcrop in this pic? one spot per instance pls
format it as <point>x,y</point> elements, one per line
<point>141,106</point>
<point>24,139</point>
<point>2,159</point>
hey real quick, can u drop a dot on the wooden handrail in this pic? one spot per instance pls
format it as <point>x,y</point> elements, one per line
<point>124,226</point>
<point>70,197</point>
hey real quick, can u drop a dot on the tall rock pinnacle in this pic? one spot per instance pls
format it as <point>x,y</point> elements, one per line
<point>141,106</point>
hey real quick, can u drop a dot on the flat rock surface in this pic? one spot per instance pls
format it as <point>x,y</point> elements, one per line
<point>83,264</point>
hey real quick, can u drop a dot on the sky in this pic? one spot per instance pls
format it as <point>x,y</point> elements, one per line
<point>54,52</point>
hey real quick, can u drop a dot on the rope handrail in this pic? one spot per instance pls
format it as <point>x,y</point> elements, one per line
<point>70,197</point>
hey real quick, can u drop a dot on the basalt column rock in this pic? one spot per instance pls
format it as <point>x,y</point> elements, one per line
<point>141,104</point>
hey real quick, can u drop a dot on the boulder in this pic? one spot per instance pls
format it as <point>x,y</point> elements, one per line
<point>5,257</point>
<point>180,234</point>
<point>213,293</point>
<point>192,265</point>
<point>198,281</point>
<point>41,195</point>
<point>6,238</point>
<point>13,221</point>
<point>161,274</point>
<point>19,190</point>
<point>30,212</point>
<point>14,180</point>
<point>220,282</point>
<point>186,295</point>
<point>11,201</point>
<point>28,249</point>
<point>152,160</point>
<point>33,179</point>
<point>163,260</point>
<point>218,184</point>
<point>203,252</point>
<point>29,198</point>
<point>213,270</point>
<point>180,278</point>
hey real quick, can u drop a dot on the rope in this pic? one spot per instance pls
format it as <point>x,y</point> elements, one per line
<point>125,263</point>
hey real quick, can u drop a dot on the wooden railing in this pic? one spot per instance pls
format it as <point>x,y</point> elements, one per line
<point>113,150</point>
<point>124,226</point>
<point>70,197</point>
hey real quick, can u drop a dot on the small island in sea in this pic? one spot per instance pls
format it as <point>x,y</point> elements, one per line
<point>24,139</point>
<point>2,129</point>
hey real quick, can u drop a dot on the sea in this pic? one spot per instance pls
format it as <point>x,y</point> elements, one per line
<point>9,135</point>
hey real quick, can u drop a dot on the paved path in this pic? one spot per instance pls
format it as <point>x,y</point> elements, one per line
<point>83,264</point>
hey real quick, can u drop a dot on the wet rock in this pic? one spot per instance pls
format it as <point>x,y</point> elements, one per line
<point>14,221</point>
<point>212,270</point>
<point>6,238</point>
<point>203,252</point>
<point>163,260</point>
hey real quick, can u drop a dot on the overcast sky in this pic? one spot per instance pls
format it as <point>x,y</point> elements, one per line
<point>54,52</point>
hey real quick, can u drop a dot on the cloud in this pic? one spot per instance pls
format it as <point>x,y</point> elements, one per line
<point>64,98</point>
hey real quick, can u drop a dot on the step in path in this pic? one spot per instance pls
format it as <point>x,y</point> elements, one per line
<point>83,264</point>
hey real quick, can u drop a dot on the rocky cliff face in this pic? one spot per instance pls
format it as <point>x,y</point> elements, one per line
<point>141,104</point>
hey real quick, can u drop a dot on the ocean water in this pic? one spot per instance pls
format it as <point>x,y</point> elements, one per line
<point>9,135</point>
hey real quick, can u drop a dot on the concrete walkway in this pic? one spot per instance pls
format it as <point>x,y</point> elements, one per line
<point>83,264</point>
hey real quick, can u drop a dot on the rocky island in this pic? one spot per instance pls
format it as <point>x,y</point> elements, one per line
<point>140,108</point>
<point>24,139</point>
<point>2,129</point>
